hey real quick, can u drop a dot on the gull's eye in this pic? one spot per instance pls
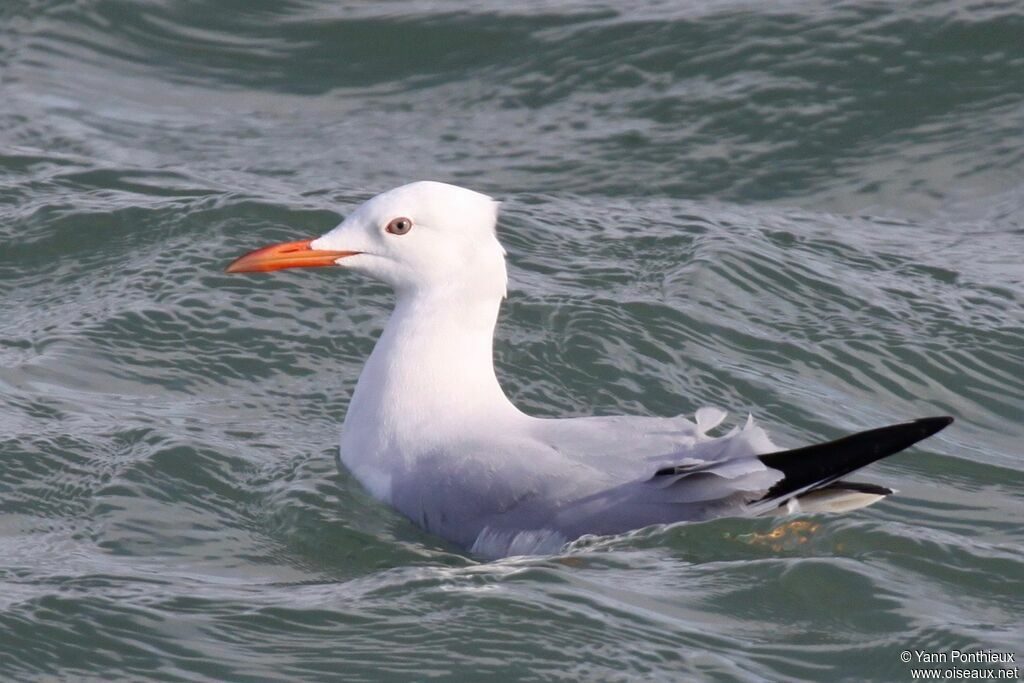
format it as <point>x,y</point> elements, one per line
<point>399,226</point>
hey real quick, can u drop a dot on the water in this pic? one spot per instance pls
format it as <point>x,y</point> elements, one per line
<point>812,213</point>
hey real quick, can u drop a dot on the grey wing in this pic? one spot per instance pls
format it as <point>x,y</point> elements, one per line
<point>653,471</point>
<point>689,492</point>
<point>686,493</point>
<point>741,473</point>
<point>747,483</point>
<point>628,447</point>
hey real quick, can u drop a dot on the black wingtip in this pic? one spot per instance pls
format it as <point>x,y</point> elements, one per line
<point>814,466</point>
<point>931,425</point>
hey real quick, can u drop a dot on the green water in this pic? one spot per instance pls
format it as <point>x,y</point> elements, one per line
<point>812,213</point>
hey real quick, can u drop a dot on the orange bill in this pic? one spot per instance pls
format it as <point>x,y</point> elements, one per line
<point>286,255</point>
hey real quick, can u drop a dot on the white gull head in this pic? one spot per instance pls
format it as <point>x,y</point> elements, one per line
<point>424,236</point>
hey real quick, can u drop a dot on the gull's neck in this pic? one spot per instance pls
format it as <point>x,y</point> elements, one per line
<point>430,376</point>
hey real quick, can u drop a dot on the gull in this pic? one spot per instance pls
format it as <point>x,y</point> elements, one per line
<point>430,431</point>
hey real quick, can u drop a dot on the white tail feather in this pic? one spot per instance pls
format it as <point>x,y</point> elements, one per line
<point>833,500</point>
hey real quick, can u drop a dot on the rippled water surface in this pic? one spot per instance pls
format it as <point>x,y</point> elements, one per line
<point>812,213</point>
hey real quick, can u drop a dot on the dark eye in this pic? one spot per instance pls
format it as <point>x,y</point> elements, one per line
<point>399,226</point>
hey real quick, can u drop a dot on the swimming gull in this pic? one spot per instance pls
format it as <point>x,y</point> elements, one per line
<point>430,431</point>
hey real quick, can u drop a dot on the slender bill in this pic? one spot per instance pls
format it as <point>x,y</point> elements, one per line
<point>286,255</point>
